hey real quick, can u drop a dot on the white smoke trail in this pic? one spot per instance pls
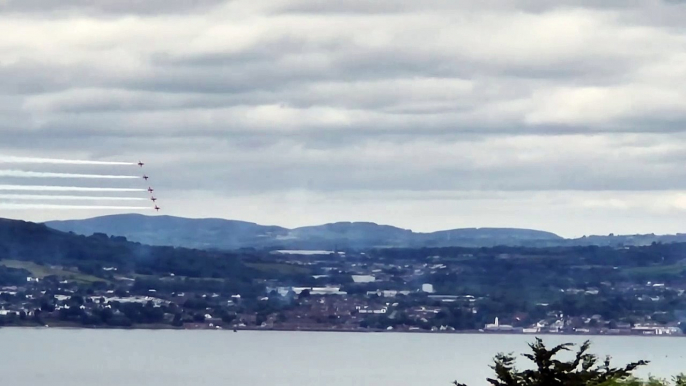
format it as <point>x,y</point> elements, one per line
<point>41,188</point>
<point>33,160</point>
<point>25,174</point>
<point>48,206</point>
<point>67,198</point>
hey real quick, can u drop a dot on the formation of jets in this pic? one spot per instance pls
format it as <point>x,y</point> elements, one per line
<point>150,190</point>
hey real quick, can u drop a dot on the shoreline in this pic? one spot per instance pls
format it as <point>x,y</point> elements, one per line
<point>363,331</point>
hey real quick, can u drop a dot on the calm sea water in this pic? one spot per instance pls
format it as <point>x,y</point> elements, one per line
<point>62,357</point>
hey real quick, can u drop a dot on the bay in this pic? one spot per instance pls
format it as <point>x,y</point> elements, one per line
<point>84,357</point>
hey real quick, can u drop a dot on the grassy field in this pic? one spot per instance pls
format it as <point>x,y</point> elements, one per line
<point>41,271</point>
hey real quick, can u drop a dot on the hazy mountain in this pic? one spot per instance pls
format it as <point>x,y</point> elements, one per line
<point>175,231</point>
<point>230,234</point>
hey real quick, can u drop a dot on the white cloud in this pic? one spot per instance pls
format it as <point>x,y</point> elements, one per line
<point>493,98</point>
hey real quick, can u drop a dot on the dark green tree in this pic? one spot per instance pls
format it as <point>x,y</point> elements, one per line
<point>304,294</point>
<point>178,320</point>
<point>584,369</point>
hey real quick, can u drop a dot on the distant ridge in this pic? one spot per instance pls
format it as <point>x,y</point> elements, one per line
<point>231,234</point>
<point>215,233</point>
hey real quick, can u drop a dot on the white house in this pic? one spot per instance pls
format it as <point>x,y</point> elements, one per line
<point>369,310</point>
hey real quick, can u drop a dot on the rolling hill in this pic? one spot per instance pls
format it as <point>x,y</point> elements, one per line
<point>231,234</point>
<point>22,241</point>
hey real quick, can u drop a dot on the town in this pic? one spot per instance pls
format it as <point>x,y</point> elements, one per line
<point>486,290</point>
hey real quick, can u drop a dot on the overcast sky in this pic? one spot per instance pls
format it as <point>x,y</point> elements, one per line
<point>567,116</point>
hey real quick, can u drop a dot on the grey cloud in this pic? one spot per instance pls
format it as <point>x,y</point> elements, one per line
<point>27,78</point>
<point>156,7</point>
<point>117,7</point>
<point>388,97</point>
<point>399,6</point>
<point>386,167</point>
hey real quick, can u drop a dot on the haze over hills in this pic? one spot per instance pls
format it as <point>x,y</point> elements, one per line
<point>232,234</point>
<point>214,233</point>
<point>176,231</point>
<point>26,241</point>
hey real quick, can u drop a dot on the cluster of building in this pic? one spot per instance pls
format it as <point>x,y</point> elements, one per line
<point>347,294</point>
<point>568,326</point>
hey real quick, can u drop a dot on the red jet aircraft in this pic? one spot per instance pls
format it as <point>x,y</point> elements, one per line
<point>145,177</point>
<point>157,208</point>
<point>140,164</point>
<point>153,199</point>
<point>150,190</point>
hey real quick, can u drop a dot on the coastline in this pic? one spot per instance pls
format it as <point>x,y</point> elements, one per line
<point>67,326</point>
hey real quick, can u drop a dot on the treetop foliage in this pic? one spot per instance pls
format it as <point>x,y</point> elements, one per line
<point>585,369</point>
